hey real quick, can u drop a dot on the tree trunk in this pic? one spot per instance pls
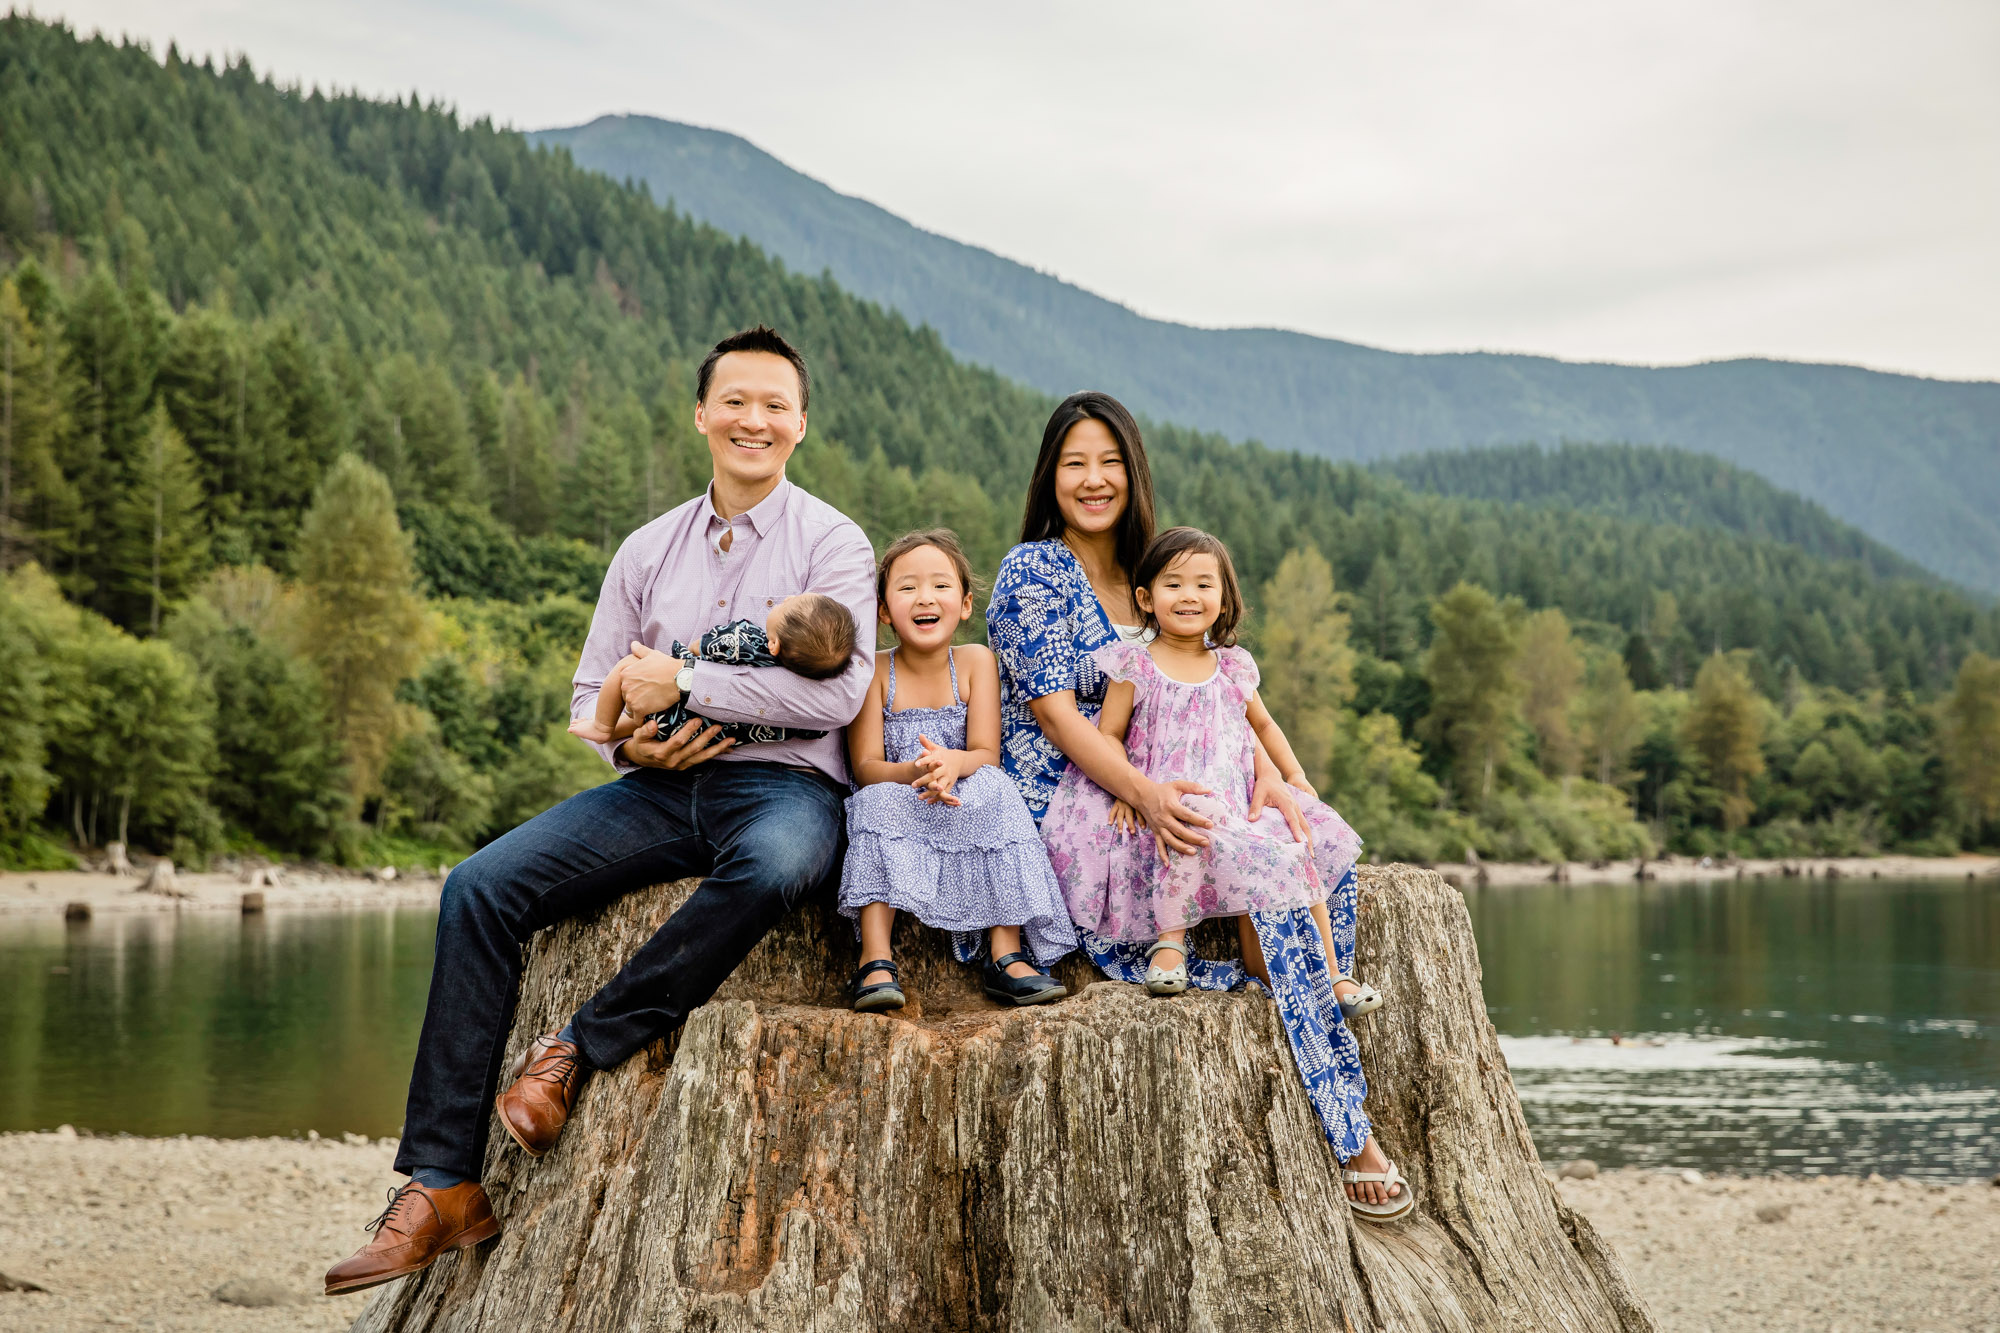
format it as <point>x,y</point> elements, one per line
<point>1111,1162</point>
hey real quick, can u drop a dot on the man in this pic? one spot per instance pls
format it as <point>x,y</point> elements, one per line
<point>763,823</point>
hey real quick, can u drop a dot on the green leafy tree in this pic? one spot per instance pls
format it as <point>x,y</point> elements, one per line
<point>1306,663</point>
<point>1972,732</point>
<point>1475,690</point>
<point>1724,727</point>
<point>360,619</point>
<point>1612,716</point>
<point>1551,671</point>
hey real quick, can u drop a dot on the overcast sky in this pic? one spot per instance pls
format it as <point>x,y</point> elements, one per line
<point>1595,179</point>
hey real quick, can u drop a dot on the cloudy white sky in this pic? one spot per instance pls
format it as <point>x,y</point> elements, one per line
<point>1812,179</point>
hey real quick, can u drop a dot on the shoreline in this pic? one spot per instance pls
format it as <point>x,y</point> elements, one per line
<point>135,1231</point>
<point>323,888</point>
<point>1696,870</point>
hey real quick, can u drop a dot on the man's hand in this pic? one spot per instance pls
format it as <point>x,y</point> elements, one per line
<point>687,747</point>
<point>649,682</point>
<point>1175,826</point>
<point>938,770</point>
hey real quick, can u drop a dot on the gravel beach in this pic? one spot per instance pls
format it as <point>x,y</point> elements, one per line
<point>127,1232</point>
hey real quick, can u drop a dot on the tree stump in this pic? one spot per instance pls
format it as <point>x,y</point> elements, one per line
<point>1111,1162</point>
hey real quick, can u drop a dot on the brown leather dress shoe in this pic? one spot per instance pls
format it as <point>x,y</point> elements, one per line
<point>418,1225</point>
<point>541,1093</point>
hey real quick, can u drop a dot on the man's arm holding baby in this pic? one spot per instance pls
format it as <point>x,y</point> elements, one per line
<point>842,567</point>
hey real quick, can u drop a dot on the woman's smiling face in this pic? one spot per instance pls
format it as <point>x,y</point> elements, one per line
<point>923,601</point>
<point>1090,478</point>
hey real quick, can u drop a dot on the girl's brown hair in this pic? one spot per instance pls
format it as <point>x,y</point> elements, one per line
<point>1170,546</point>
<point>943,538</point>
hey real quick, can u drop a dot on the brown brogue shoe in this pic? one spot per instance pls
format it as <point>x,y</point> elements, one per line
<point>418,1225</point>
<point>541,1092</point>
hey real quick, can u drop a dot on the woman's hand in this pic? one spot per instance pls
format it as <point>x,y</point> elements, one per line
<point>687,747</point>
<point>1273,791</point>
<point>1177,828</point>
<point>938,770</point>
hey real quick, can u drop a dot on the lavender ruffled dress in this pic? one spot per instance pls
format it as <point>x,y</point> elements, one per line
<point>959,868</point>
<point>1114,883</point>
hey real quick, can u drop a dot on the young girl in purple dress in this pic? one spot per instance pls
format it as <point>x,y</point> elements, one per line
<point>1185,706</point>
<point>935,828</point>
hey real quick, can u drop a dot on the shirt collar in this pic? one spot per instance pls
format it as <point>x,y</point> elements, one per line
<point>763,515</point>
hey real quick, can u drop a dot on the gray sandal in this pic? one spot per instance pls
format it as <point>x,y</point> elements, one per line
<point>1168,980</point>
<point>1365,1001</point>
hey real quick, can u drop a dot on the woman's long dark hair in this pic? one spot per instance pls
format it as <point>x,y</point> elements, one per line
<point>1043,519</point>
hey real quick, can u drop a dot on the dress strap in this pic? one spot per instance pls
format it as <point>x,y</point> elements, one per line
<point>889,704</point>
<point>951,662</point>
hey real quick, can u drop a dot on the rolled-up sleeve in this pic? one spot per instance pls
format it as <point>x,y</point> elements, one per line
<point>843,568</point>
<point>1029,624</point>
<point>613,626</point>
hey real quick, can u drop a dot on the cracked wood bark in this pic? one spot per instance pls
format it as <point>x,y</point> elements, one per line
<point>1112,1162</point>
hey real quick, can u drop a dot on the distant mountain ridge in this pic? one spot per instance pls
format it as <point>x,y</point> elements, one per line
<point>1653,484</point>
<point>1913,462</point>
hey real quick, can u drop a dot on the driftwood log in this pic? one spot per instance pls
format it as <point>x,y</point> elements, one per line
<point>1111,1162</point>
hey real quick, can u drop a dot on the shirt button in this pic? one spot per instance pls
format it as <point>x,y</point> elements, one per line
<point>720,602</point>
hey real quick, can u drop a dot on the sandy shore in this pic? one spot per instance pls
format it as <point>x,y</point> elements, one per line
<point>141,1232</point>
<point>39,892</point>
<point>1689,869</point>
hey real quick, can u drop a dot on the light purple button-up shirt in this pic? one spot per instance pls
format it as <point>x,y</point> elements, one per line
<point>672,580</point>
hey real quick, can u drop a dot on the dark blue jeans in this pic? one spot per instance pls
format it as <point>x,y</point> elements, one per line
<point>765,836</point>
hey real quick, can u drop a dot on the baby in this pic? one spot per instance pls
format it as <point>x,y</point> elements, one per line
<point>808,634</point>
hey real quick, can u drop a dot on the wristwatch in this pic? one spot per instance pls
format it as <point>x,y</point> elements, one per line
<point>684,678</point>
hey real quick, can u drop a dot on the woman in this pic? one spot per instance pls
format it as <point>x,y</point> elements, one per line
<point>1065,591</point>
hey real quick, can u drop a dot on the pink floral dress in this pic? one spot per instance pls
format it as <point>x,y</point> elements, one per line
<point>1115,884</point>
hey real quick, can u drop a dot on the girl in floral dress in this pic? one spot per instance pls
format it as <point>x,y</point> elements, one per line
<point>1186,709</point>
<point>935,828</point>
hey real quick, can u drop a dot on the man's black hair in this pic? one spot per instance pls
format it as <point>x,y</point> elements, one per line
<point>763,338</point>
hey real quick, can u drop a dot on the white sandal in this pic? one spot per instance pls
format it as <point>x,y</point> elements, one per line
<point>1366,1001</point>
<point>1167,981</point>
<point>1398,1207</point>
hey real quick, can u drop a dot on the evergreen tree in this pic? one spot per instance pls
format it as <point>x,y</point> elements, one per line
<point>1383,624</point>
<point>163,543</point>
<point>1306,665</point>
<point>1725,728</point>
<point>360,618</point>
<point>1475,690</point>
<point>37,503</point>
<point>24,777</point>
<point>1551,674</point>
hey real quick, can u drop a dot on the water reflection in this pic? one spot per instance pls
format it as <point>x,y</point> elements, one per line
<point>200,1023</point>
<point>1779,1025</point>
<point>1801,1026</point>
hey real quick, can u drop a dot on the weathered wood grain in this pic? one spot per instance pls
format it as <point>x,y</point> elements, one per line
<point>1112,1162</point>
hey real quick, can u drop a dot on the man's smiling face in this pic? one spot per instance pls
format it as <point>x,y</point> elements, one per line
<point>752,418</point>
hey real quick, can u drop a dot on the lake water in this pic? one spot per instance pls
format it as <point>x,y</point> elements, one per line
<point>1797,1026</point>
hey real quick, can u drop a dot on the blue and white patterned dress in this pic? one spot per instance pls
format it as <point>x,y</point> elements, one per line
<point>961,868</point>
<point>1044,622</point>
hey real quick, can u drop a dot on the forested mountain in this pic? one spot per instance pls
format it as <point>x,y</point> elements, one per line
<point>1657,485</point>
<point>274,363</point>
<point>1909,461</point>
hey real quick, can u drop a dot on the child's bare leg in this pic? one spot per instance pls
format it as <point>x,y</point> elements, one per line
<point>610,707</point>
<point>877,921</point>
<point>1325,924</point>
<point>1003,940</point>
<point>1169,959</point>
<point>1253,952</point>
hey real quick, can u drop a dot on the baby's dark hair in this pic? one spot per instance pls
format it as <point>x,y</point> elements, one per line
<point>943,538</point>
<point>1170,546</point>
<point>818,638</point>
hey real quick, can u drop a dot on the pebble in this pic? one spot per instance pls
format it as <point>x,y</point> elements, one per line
<point>1692,1177</point>
<point>1774,1212</point>
<point>1581,1169</point>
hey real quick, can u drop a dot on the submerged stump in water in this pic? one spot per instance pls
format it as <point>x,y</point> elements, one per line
<point>1110,1162</point>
